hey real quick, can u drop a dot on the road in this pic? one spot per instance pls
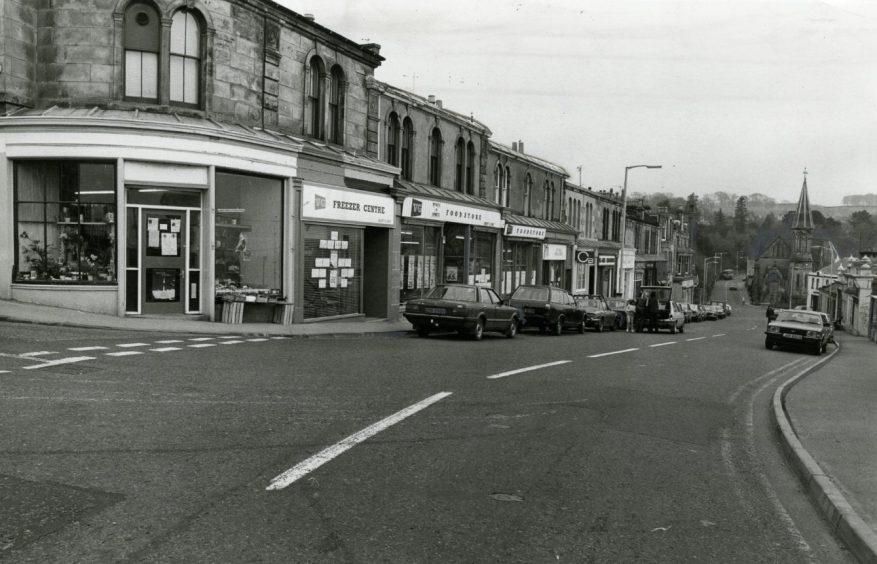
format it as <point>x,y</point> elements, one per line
<point>608,447</point>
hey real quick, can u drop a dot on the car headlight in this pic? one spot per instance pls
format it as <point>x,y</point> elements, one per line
<point>773,329</point>
<point>812,334</point>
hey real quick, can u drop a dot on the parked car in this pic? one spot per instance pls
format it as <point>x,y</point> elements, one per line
<point>724,309</point>
<point>696,313</point>
<point>802,329</point>
<point>547,308</point>
<point>598,314</point>
<point>468,309</point>
<point>619,306</point>
<point>686,312</point>
<point>669,315</point>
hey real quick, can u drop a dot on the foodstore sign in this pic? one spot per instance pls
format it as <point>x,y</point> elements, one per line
<point>347,206</point>
<point>524,231</point>
<point>435,210</point>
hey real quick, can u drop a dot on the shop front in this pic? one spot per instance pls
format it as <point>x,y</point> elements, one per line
<point>446,243</point>
<point>554,265</point>
<point>521,256</point>
<point>345,236</point>
<point>585,269</point>
<point>607,271</point>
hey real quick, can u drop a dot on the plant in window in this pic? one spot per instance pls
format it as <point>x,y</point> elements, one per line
<point>39,258</point>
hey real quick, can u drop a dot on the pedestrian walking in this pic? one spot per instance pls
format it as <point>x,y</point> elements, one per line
<point>630,312</point>
<point>652,308</point>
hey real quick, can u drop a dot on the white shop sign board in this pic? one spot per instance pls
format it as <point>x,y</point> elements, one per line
<point>452,213</point>
<point>322,203</point>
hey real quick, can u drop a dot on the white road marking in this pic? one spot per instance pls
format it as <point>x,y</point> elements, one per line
<point>169,341</point>
<point>166,349</point>
<point>720,335</point>
<point>305,467</point>
<point>256,340</point>
<point>664,344</point>
<point>613,352</point>
<point>203,339</point>
<point>124,353</point>
<point>231,337</point>
<point>279,338</point>
<point>68,360</point>
<point>202,345</point>
<point>38,353</point>
<point>130,345</point>
<point>230,342</point>
<point>4,372</point>
<point>83,349</point>
<point>695,339</point>
<point>527,369</point>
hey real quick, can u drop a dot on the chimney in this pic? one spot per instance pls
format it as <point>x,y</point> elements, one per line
<point>309,17</point>
<point>438,104</point>
<point>431,99</point>
<point>515,146</point>
<point>373,48</point>
<point>520,146</point>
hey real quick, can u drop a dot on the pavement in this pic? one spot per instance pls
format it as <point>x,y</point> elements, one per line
<point>825,416</point>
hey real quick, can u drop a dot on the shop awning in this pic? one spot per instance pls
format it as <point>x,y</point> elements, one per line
<point>553,227</point>
<point>407,188</point>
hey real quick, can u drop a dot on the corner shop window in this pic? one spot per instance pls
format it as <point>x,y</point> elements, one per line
<point>65,222</point>
<point>249,234</point>
<point>332,271</point>
<point>418,260</point>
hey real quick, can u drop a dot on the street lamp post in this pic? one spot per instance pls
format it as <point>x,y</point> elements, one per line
<point>620,281</point>
<point>706,261</point>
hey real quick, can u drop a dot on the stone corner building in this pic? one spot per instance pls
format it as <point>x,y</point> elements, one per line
<point>191,157</point>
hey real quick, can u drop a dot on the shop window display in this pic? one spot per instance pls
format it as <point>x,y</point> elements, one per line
<point>332,271</point>
<point>65,222</point>
<point>419,260</point>
<point>248,236</point>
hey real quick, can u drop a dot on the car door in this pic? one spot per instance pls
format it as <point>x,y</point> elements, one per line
<point>489,300</point>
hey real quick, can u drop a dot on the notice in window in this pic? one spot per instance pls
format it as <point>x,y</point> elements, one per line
<point>169,244</point>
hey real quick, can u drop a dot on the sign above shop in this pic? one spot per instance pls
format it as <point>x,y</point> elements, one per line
<point>524,231</point>
<point>553,252</point>
<point>452,213</point>
<point>584,257</point>
<point>347,206</point>
<point>606,260</point>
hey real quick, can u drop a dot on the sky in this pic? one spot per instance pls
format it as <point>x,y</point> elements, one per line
<point>734,96</point>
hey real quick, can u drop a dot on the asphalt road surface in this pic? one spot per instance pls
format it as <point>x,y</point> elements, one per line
<point>603,447</point>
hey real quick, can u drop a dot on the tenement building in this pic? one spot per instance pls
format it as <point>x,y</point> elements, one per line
<point>201,157</point>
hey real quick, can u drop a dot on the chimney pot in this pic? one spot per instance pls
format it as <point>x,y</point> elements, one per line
<point>520,146</point>
<point>515,146</point>
<point>438,103</point>
<point>309,17</point>
<point>431,98</point>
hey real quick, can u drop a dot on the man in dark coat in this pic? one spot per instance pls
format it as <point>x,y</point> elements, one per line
<point>652,310</point>
<point>770,313</point>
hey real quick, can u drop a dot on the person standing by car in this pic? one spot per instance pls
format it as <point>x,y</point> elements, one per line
<point>630,311</point>
<point>652,308</point>
<point>770,313</point>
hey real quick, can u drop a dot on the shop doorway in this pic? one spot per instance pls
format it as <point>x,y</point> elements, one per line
<point>166,278</point>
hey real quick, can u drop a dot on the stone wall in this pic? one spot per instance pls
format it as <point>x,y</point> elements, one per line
<point>18,30</point>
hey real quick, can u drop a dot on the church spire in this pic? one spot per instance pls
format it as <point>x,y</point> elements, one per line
<point>803,217</point>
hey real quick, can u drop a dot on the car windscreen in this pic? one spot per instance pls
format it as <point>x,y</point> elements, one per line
<point>589,302</point>
<point>798,317</point>
<point>456,293</point>
<point>529,293</point>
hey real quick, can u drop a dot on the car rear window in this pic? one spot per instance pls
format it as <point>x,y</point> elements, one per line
<point>457,293</point>
<point>528,293</point>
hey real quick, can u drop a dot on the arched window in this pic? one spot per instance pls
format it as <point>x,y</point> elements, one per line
<point>393,132</point>
<point>435,157</point>
<point>528,195</point>
<point>336,105</point>
<point>185,59</point>
<point>407,143</point>
<point>142,47</point>
<point>459,164</point>
<point>470,168</point>
<point>508,187</point>
<point>314,101</point>
<point>498,183</point>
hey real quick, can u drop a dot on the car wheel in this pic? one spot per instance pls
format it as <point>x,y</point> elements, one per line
<point>558,326</point>
<point>541,329</point>
<point>817,350</point>
<point>674,328</point>
<point>682,327</point>
<point>513,328</point>
<point>478,333</point>
<point>613,326</point>
<point>582,326</point>
<point>768,345</point>
<point>599,327</point>
<point>422,331</point>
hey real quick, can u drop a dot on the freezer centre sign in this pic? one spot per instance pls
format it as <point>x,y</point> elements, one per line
<point>347,206</point>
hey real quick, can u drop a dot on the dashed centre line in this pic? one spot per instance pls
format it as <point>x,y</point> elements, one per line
<point>68,360</point>
<point>166,349</point>
<point>696,339</point>
<point>131,345</point>
<point>663,344</point>
<point>527,369</point>
<point>203,339</point>
<point>84,349</point>
<point>202,345</point>
<point>613,352</point>
<point>305,467</point>
<point>169,341</point>
<point>37,353</point>
<point>230,342</point>
<point>124,353</point>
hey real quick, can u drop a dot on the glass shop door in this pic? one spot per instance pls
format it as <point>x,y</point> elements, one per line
<point>163,257</point>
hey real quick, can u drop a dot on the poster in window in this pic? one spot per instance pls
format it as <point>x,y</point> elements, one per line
<point>451,274</point>
<point>161,284</point>
<point>169,246</point>
<point>333,278</point>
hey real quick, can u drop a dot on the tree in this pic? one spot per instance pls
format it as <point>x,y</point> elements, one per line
<point>740,215</point>
<point>863,228</point>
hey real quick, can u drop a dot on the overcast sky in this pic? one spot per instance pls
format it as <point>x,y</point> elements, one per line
<point>727,95</point>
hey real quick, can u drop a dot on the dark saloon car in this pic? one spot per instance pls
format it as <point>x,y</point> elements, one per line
<point>619,306</point>
<point>547,308</point>
<point>807,330</point>
<point>465,308</point>
<point>598,314</point>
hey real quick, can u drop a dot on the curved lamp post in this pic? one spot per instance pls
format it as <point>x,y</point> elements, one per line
<point>619,285</point>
